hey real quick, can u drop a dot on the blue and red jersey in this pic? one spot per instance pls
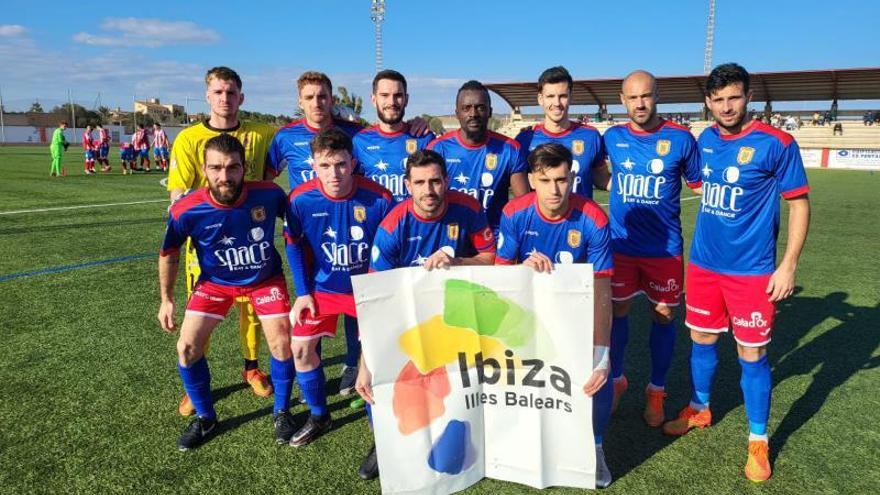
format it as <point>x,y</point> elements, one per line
<point>406,239</point>
<point>482,171</point>
<point>234,244</point>
<point>585,144</point>
<point>743,176</point>
<point>382,156</point>
<point>580,236</point>
<point>290,149</point>
<point>646,172</point>
<point>329,239</point>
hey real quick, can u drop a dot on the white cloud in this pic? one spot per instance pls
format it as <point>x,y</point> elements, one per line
<point>132,31</point>
<point>12,30</point>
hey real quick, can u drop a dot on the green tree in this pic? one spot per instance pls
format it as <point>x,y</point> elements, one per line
<point>36,108</point>
<point>349,100</point>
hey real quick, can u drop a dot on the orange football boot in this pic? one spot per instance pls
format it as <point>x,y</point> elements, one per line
<point>758,463</point>
<point>687,419</point>
<point>258,381</point>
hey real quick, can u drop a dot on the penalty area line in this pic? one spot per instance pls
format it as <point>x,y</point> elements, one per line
<point>67,268</point>
<point>80,207</point>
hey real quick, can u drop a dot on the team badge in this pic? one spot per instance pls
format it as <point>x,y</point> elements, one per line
<point>663,147</point>
<point>577,147</point>
<point>745,155</point>
<point>574,238</point>
<point>452,231</point>
<point>411,146</point>
<point>258,213</point>
<point>360,213</point>
<point>491,161</point>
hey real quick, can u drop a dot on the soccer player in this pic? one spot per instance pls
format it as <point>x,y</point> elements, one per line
<point>381,150</point>
<point>224,97</point>
<point>141,148</point>
<point>103,148</point>
<point>435,228</point>
<point>649,156</point>
<point>160,146</point>
<point>551,225</point>
<point>126,155</point>
<point>232,224</point>
<point>584,141</point>
<point>481,163</point>
<point>90,147</point>
<point>57,148</point>
<point>732,278</point>
<point>333,218</point>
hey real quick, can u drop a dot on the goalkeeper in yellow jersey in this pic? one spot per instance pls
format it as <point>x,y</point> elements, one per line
<point>224,97</point>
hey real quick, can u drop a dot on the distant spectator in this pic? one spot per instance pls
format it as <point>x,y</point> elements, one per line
<point>868,118</point>
<point>837,130</point>
<point>790,123</point>
<point>815,121</point>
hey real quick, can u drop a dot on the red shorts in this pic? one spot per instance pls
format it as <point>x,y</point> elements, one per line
<point>329,307</point>
<point>659,279</point>
<point>717,301</point>
<point>269,298</point>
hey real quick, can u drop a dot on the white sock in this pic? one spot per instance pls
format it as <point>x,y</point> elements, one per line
<point>755,437</point>
<point>699,407</point>
<point>655,388</point>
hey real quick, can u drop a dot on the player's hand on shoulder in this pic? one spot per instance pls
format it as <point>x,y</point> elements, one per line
<point>300,305</point>
<point>166,316</point>
<point>439,259</point>
<point>539,262</point>
<point>418,126</point>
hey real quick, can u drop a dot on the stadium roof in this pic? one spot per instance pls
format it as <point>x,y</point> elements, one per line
<point>811,85</point>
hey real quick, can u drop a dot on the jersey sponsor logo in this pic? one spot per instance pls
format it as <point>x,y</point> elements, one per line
<point>320,214</point>
<point>483,195</point>
<point>301,143</point>
<point>564,257</point>
<point>745,155</point>
<point>461,178</point>
<point>532,233</point>
<point>256,234</point>
<point>491,161</point>
<point>574,238</point>
<point>374,147</point>
<point>671,286</point>
<point>345,256</point>
<point>360,213</point>
<point>452,231</point>
<point>697,310</point>
<point>411,146</point>
<point>251,257</point>
<point>274,295</point>
<point>621,145</point>
<point>628,164</point>
<point>214,226</point>
<point>393,182</point>
<point>708,150</point>
<point>664,146</point>
<point>356,232</point>
<point>453,160</point>
<point>577,147</point>
<point>757,321</point>
<point>486,179</point>
<point>258,213</point>
<point>414,238</point>
<point>642,189</point>
<point>330,232</point>
<point>720,198</point>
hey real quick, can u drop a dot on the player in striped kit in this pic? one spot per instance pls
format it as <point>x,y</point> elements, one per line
<point>103,148</point>
<point>160,147</point>
<point>90,147</point>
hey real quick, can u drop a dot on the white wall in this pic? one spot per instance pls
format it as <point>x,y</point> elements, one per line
<point>26,134</point>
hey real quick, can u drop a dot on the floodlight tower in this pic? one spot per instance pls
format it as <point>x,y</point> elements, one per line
<point>377,15</point>
<point>710,35</point>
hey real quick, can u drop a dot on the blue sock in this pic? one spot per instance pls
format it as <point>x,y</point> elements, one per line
<point>282,381</point>
<point>704,360</point>
<point>662,343</point>
<point>352,343</point>
<point>756,385</point>
<point>602,410</point>
<point>311,383</point>
<point>619,338</point>
<point>369,409</point>
<point>197,383</point>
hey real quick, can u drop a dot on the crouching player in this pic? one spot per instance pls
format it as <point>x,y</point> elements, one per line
<point>434,228</point>
<point>232,224</point>
<point>333,218</point>
<point>552,225</point>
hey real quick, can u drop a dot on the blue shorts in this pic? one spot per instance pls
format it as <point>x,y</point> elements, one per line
<point>90,155</point>
<point>103,151</point>
<point>143,153</point>
<point>127,154</point>
<point>161,152</point>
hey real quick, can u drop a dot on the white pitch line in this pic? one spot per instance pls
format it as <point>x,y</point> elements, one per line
<point>80,207</point>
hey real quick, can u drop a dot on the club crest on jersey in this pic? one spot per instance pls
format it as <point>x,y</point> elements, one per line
<point>577,147</point>
<point>663,147</point>
<point>258,213</point>
<point>491,161</point>
<point>574,238</point>
<point>745,155</point>
<point>452,231</point>
<point>411,146</point>
<point>360,213</point>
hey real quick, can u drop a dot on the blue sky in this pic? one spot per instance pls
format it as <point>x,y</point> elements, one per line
<point>162,49</point>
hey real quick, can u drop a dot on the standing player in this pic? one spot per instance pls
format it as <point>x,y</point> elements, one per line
<point>381,150</point>
<point>649,156</point>
<point>232,223</point>
<point>57,148</point>
<point>551,225</point>
<point>584,142</point>
<point>732,278</point>
<point>126,155</point>
<point>224,97</point>
<point>90,149</point>
<point>481,163</point>
<point>103,148</point>
<point>160,147</point>
<point>333,218</point>
<point>435,228</point>
<point>141,148</point>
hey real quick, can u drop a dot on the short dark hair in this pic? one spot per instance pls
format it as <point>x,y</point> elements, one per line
<point>156,124</point>
<point>555,75</point>
<point>226,144</point>
<point>140,126</point>
<point>726,74</point>
<point>224,74</point>
<point>549,155</point>
<point>473,85</point>
<point>330,140</point>
<point>423,158</point>
<point>99,125</point>
<point>389,74</point>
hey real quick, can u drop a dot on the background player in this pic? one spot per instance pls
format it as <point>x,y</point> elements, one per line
<point>381,150</point>
<point>334,217</point>
<point>238,259</point>
<point>732,279</point>
<point>57,148</point>
<point>126,155</point>
<point>649,156</point>
<point>435,228</point>
<point>160,147</point>
<point>224,97</point>
<point>481,163</point>
<point>570,229</point>
<point>141,148</point>
<point>90,148</point>
<point>103,143</point>
<point>584,142</point>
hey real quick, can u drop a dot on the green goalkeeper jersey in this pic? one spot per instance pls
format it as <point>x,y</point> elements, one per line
<point>58,138</point>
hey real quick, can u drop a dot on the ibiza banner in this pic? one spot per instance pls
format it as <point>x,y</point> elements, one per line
<point>479,372</point>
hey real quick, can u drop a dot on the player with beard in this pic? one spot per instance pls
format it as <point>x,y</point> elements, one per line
<point>382,150</point>
<point>649,156</point>
<point>732,276</point>
<point>232,225</point>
